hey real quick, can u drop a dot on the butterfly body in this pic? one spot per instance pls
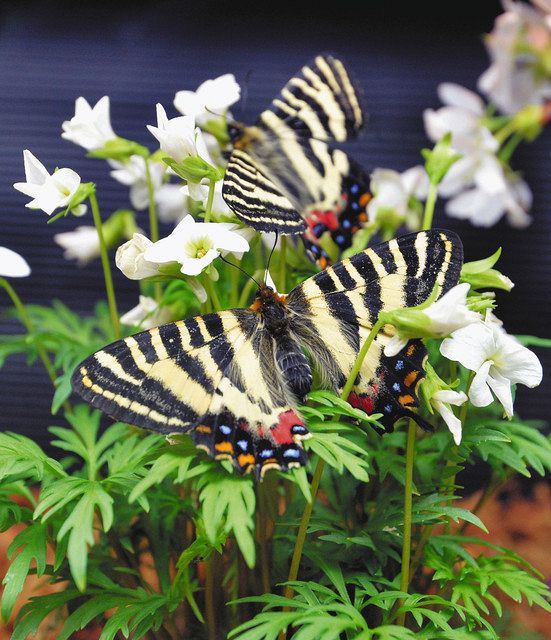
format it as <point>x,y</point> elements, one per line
<point>234,379</point>
<point>282,174</point>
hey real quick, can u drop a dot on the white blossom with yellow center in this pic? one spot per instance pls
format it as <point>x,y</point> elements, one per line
<point>194,245</point>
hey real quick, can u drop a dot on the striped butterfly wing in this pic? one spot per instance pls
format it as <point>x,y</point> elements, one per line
<point>335,310</point>
<point>283,176</point>
<point>320,102</point>
<point>255,199</point>
<point>211,375</point>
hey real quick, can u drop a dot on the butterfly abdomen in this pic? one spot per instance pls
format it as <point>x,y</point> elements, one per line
<point>294,366</point>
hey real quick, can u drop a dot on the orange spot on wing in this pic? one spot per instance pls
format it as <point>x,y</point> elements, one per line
<point>364,199</point>
<point>411,350</point>
<point>245,459</point>
<point>411,378</point>
<point>224,447</point>
<point>406,400</point>
<point>203,428</point>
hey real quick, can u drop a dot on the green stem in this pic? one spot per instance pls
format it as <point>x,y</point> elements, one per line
<point>303,528</point>
<point>210,198</point>
<point>446,487</point>
<point>263,538</point>
<point>153,219</point>
<point>27,323</point>
<point>507,130</point>
<point>305,520</point>
<point>408,501</point>
<point>234,286</point>
<point>508,149</point>
<point>213,295</point>
<point>282,278</point>
<point>26,320</point>
<point>429,206</point>
<point>210,609</point>
<point>111,300</point>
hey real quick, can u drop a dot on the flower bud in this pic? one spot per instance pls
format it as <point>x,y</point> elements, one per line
<point>130,258</point>
<point>480,275</point>
<point>439,159</point>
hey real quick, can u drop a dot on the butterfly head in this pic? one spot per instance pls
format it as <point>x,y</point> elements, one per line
<point>270,305</point>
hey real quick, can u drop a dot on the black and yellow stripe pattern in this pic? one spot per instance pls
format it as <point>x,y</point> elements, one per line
<point>336,309</point>
<point>283,176</point>
<point>234,378</point>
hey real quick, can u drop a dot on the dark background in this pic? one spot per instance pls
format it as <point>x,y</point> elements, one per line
<point>142,53</point>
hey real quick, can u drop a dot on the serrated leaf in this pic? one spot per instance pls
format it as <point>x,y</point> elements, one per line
<point>32,541</point>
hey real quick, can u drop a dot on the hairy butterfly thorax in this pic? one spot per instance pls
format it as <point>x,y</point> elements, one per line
<point>234,379</point>
<point>283,175</point>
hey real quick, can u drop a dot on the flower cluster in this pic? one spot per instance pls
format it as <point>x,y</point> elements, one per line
<point>482,187</point>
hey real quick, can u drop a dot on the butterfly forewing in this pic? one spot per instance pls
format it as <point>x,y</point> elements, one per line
<point>256,200</point>
<point>320,102</point>
<point>211,375</point>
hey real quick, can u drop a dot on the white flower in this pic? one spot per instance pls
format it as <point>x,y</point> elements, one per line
<point>81,245</point>
<point>178,137</point>
<point>486,203</point>
<point>12,265</point>
<point>211,99</point>
<point>462,117</point>
<point>520,36</point>
<point>195,245</point>
<point>132,174</point>
<point>147,314</point>
<point>90,127</point>
<point>480,190</point>
<point>393,190</point>
<point>445,316</point>
<point>172,202</point>
<point>498,359</point>
<point>441,402</point>
<point>130,258</point>
<point>48,192</point>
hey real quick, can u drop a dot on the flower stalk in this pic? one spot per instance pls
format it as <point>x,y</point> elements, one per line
<point>314,486</point>
<point>111,300</point>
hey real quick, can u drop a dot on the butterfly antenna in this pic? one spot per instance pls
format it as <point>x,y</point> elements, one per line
<point>240,269</point>
<point>271,254</point>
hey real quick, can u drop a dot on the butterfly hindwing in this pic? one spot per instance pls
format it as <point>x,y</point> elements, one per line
<point>335,310</point>
<point>211,375</point>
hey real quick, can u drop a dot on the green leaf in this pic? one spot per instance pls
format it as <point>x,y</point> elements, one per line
<point>21,456</point>
<point>79,519</point>
<point>228,501</point>
<point>32,541</point>
<point>178,461</point>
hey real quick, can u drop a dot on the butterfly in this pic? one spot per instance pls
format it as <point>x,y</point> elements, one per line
<point>283,176</point>
<point>234,379</point>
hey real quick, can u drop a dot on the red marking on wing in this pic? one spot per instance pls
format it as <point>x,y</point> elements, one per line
<point>281,433</point>
<point>363,401</point>
<point>327,218</point>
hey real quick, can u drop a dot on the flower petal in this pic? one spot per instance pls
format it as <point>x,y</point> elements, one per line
<point>12,265</point>
<point>502,388</point>
<point>479,393</point>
